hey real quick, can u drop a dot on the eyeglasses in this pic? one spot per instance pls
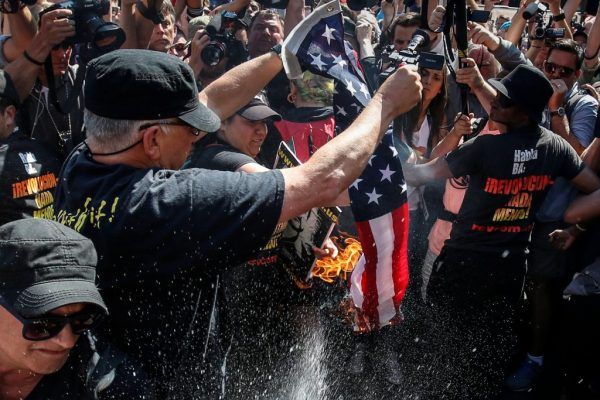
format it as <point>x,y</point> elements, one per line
<point>43,328</point>
<point>504,101</point>
<point>194,131</point>
<point>564,72</point>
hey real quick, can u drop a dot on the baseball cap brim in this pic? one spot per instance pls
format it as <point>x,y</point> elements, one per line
<point>259,113</point>
<point>202,118</point>
<point>42,298</point>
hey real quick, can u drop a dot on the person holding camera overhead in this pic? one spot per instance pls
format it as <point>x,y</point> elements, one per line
<point>53,111</point>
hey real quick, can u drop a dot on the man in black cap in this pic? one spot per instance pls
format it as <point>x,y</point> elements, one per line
<point>477,279</point>
<point>163,234</point>
<point>48,298</point>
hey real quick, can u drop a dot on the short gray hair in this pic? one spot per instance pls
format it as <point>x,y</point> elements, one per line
<point>108,134</point>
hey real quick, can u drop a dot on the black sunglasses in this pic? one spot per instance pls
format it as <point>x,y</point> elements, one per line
<point>564,72</point>
<point>194,131</point>
<point>46,327</point>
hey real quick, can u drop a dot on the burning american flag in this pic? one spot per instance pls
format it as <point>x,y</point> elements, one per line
<point>378,197</point>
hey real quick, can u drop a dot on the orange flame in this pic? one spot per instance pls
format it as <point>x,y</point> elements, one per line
<point>328,268</point>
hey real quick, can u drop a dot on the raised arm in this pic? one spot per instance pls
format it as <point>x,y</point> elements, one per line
<point>22,29</point>
<point>340,162</point>
<point>239,85</point>
<point>55,27</point>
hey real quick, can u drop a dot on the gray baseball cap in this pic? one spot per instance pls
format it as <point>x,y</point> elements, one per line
<point>44,265</point>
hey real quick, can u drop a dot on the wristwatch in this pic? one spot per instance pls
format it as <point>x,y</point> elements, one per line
<point>277,49</point>
<point>558,17</point>
<point>560,111</point>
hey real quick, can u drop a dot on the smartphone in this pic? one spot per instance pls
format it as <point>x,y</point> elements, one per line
<point>479,16</point>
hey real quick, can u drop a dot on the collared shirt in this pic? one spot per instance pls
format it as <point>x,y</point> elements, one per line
<point>582,118</point>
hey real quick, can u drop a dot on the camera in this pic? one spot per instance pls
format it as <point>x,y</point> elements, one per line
<point>411,55</point>
<point>532,9</point>
<point>223,42</point>
<point>542,30</point>
<point>90,28</point>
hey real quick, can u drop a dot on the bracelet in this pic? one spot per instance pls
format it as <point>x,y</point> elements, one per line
<point>558,17</point>
<point>580,228</point>
<point>31,59</point>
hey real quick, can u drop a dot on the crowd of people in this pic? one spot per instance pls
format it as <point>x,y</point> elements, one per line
<point>141,212</point>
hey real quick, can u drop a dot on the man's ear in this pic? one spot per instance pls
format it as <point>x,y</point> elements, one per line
<point>10,113</point>
<point>150,142</point>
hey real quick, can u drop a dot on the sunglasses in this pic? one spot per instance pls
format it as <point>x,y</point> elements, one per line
<point>564,72</point>
<point>194,131</point>
<point>46,327</point>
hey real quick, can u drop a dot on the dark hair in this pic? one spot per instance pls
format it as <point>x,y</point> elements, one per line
<point>265,14</point>
<point>5,103</point>
<point>167,10</point>
<point>436,109</point>
<point>569,46</point>
<point>407,20</point>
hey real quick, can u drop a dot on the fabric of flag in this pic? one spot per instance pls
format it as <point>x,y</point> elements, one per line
<point>378,197</point>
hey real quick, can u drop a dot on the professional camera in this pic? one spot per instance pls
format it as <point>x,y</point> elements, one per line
<point>411,55</point>
<point>90,28</point>
<point>223,42</point>
<point>542,29</point>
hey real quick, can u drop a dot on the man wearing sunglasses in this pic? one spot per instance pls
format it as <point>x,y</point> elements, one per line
<point>477,280</point>
<point>48,299</point>
<point>571,113</point>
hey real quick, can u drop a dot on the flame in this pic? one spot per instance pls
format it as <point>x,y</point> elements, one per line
<point>328,268</point>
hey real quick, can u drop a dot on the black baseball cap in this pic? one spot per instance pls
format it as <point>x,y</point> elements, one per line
<point>145,85</point>
<point>8,92</point>
<point>43,266</point>
<point>528,88</point>
<point>257,110</point>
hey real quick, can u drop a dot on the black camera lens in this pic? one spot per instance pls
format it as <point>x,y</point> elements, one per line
<point>108,36</point>
<point>213,53</point>
<point>539,33</point>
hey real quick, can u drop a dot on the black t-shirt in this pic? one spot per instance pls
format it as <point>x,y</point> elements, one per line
<point>94,371</point>
<point>28,176</point>
<point>510,175</point>
<point>218,156</point>
<point>161,237</point>
<point>41,120</point>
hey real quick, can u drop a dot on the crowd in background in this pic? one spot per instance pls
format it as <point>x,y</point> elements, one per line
<point>185,292</point>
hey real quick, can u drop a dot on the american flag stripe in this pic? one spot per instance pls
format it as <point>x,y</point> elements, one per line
<point>378,197</point>
<point>380,279</point>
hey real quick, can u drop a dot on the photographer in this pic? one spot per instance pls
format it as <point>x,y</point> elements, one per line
<point>213,54</point>
<point>53,111</point>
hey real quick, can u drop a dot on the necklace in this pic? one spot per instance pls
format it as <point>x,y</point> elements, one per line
<point>40,94</point>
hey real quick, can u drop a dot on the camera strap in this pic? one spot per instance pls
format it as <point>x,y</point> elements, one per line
<point>70,100</point>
